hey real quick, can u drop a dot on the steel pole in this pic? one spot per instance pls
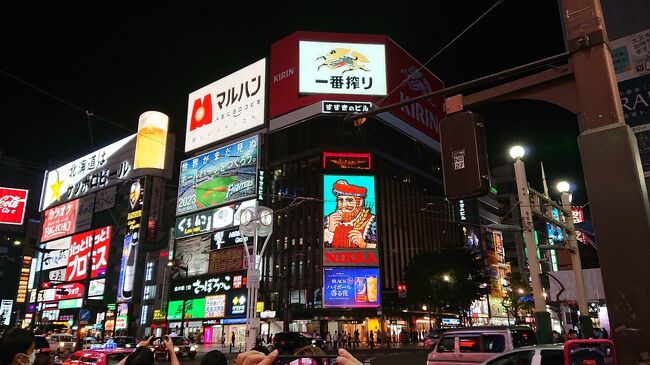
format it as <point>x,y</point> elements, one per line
<point>252,284</point>
<point>585,321</point>
<point>542,317</point>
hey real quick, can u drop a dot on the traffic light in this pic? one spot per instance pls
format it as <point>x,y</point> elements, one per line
<point>401,290</point>
<point>465,168</point>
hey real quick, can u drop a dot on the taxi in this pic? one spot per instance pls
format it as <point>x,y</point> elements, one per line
<point>98,356</point>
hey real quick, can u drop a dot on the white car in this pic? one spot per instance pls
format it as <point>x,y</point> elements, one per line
<point>62,343</point>
<point>552,354</point>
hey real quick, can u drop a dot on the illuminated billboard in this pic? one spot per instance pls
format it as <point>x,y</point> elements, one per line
<point>105,167</point>
<point>350,212</point>
<point>220,176</point>
<point>219,218</point>
<point>231,105</point>
<point>131,241</point>
<point>351,287</point>
<point>227,260</point>
<point>342,68</point>
<point>215,306</point>
<point>347,160</point>
<point>102,168</point>
<point>68,218</point>
<point>12,205</point>
<point>192,253</point>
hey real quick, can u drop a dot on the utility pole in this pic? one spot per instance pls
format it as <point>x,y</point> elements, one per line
<point>542,317</point>
<point>585,321</point>
<point>614,179</point>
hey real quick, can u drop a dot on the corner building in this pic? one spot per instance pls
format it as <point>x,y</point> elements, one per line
<point>387,166</point>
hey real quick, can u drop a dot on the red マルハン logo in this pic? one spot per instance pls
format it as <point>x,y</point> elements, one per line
<point>201,112</point>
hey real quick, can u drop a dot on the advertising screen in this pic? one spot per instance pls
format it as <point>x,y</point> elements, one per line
<point>221,176</point>
<point>207,284</point>
<point>59,256</point>
<point>342,68</point>
<point>237,303</point>
<point>101,244</point>
<point>209,220</point>
<point>231,105</point>
<point>79,256</point>
<point>195,308</point>
<point>226,260</point>
<point>69,291</point>
<point>131,241</point>
<point>215,306</point>
<point>12,205</point>
<point>226,238</point>
<point>351,287</point>
<point>96,287</point>
<point>192,253</point>
<point>174,309</point>
<point>350,212</point>
<point>102,168</point>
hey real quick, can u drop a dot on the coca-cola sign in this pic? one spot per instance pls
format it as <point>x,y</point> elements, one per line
<point>351,258</point>
<point>12,205</point>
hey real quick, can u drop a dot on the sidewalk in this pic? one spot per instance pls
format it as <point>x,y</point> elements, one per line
<point>363,348</point>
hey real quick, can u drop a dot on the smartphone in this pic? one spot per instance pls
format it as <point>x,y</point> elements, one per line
<point>306,360</point>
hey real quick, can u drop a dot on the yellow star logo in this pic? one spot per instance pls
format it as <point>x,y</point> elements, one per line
<point>56,189</point>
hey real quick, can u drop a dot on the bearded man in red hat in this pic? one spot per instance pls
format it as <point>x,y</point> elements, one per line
<point>351,225</point>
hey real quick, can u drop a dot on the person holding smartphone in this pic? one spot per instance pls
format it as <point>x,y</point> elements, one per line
<point>258,358</point>
<point>143,355</point>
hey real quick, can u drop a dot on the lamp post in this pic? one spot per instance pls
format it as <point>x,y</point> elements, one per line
<point>542,317</point>
<point>254,222</point>
<point>585,321</point>
<point>424,308</point>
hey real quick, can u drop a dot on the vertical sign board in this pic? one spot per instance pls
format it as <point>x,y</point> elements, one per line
<point>631,57</point>
<point>131,240</point>
<point>12,205</point>
<point>5,311</point>
<point>350,212</point>
<point>227,107</point>
<point>218,177</point>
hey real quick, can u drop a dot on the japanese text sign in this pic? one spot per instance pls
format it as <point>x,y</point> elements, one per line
<point>342,68</point>
<point>103,168</point>
<point>226,107</point>
<point>351,287</point>
<point>221,176</point>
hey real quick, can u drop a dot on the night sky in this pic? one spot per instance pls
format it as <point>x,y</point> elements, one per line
<point>119,61</point>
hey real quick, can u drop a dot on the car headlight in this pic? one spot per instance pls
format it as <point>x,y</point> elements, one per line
<point>61,344</point>
<point>194,347</point>
<point>128,345</point>
<point>74,344</point>
<point>176,349</point>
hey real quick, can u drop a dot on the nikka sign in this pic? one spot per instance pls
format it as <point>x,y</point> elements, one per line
<point>351,258</point>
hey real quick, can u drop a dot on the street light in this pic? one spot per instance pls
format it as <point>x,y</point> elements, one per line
<point>542,317</point>
<point>585,322</point>
<point>446,278</point>
<point>254,222</point>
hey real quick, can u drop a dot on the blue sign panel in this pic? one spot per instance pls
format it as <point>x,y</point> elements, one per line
<point>349,287</point>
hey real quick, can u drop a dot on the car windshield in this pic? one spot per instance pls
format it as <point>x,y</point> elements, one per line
<point>524,337</point>
<point>180,341</point>
<point>114,359</point>
<point>40,342</point>
<point>66,338</point>
<point>125,339</point>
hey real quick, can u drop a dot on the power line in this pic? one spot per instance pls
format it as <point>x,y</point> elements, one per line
<point>423,65</point>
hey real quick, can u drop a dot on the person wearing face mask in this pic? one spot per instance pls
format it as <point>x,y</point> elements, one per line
<point>17,347</point>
